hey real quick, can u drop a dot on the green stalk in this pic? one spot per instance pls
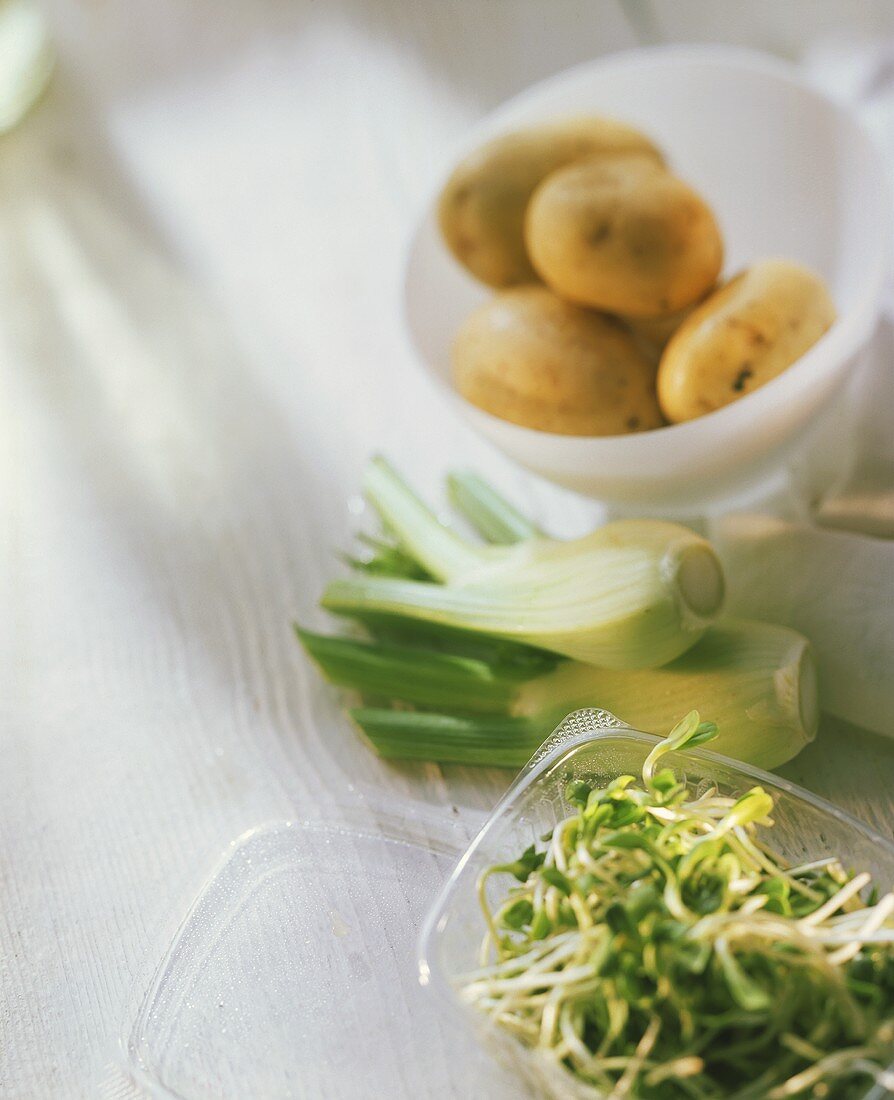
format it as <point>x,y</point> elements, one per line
<point>493,517</point>
<point>386,560</point>
<point>633,594</point>
<point>463,643</point>
<point>419,676</point>
<point>756,681</point>
<point>438,549</point>
<point>448,738</point>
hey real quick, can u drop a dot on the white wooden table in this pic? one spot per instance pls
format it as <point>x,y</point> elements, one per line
<point>201,234</point>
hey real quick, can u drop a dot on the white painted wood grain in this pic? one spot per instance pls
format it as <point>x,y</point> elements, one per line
<point>201,234</point>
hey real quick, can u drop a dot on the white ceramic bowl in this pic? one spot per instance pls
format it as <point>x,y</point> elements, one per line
<point>789,173</point>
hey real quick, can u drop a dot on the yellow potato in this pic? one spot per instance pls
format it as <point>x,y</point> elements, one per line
<point>741,337</point>
<point>482,207</point>
<point>655,332</point>
<point>623,235</point>
<point>529,357</point>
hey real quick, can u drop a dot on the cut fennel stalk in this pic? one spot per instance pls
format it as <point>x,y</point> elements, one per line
<point>835,586</point>
<point>755,680</point>
<point>496,700</point>
<point>492,516</point>
<point>633,594</point>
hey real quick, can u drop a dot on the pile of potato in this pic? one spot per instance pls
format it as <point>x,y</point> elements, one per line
<point>608,317</point>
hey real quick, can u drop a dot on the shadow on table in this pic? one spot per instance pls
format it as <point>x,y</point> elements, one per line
<point>195,472</point>
<point>217,503</point>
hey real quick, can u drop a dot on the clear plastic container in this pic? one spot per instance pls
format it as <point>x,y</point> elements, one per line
<point>594,745</point>
<point>292,976</point>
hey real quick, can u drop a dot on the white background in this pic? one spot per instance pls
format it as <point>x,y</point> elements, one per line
<point>201,233</point>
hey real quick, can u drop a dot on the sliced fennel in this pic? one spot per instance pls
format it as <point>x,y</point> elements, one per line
<point>493,516</point>
<point>483,700</point>
<point>756,681</point>
<point>633,594</point>
<point>835,587</point>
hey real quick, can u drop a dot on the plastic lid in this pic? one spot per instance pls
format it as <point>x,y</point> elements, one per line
<point>293,975</point>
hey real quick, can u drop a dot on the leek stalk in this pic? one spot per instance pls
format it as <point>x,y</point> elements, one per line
<point>633,594</point>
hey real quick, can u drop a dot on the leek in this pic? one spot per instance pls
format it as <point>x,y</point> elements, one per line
<point>633,594</point>
<point>757,682</point>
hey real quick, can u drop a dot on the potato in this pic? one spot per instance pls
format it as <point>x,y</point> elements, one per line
<point>741,337</point>
<point>529,357</point>
<point>623,235</point>
<point>482,207</point>
<point>655,332</point>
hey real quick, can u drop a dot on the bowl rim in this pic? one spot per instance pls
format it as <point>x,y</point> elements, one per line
<point>555,746</point>
<point>848,333</point>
